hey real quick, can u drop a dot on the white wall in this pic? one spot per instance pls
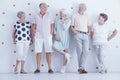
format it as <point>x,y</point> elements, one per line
<point>9,8</point>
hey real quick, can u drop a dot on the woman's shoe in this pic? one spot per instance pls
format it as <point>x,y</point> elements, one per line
<point>15,71</point>
<point>63,69</point>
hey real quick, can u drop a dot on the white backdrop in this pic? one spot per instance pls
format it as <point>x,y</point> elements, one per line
<point>9,9</point>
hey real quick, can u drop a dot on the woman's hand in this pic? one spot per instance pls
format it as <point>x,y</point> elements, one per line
<point>14,42</point>
<point>31,42</point>
<point>57,37</point>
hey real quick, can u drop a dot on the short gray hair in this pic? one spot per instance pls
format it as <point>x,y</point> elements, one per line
<point>83,5</point>
<point>42,4</point>
<point>20,13</point>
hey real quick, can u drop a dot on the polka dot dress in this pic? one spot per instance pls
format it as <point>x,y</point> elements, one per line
<point>22,31</point>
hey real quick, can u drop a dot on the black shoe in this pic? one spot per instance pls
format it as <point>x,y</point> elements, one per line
<point>37,71</point>
<point>23,72</point>
<point>50,71</point>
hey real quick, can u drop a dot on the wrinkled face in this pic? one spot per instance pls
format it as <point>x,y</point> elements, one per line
<point>43,7</point>
<point>82,8</point>
<point>22,16</point>
<point>62,14</point>
<point>101,19</point>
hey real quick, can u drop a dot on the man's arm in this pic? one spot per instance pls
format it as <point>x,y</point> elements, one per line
<point>33,31</point>
<point>51,29</point>
<point>89,30</point>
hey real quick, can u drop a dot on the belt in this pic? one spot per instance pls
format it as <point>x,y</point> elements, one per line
<point>82,32</point>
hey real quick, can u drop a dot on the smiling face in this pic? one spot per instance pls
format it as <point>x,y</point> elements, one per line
<point>43,7</point>
<point>82,8</point>
<point>101,19</point>
<point>62,14</point>
<point>21,15</point>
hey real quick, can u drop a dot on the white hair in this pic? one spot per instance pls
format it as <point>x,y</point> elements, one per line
<point>63,11</point>
<point>20,13</point>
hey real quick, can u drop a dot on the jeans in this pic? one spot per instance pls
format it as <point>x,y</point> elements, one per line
<point>82,48</point>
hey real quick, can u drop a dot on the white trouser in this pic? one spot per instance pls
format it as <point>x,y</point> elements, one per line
<point>100,55</point>
<point>22,50</point>
<point>82,48</point>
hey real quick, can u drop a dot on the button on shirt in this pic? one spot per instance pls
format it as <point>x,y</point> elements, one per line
<point>80,22</point>
<point>43,24</point>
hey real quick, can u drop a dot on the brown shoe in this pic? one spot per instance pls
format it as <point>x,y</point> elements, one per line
<point>82,71</point>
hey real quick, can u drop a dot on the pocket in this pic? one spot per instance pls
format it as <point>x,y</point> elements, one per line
<point>76,34</point>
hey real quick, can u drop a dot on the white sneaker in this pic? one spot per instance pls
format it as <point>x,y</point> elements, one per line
<point>63,69</point>
<point>67,56</point>
<point>102,70</point>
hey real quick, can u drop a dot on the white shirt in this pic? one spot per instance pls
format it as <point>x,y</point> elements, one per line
<point>100,34</point>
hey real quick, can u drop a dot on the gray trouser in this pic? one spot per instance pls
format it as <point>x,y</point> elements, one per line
<point>82,48</point>
<point>100,55</point>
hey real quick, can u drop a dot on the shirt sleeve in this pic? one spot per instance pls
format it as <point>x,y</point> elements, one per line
<point>30,25</point>
<point>15,25</point>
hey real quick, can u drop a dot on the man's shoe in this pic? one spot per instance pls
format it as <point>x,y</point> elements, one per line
<point>37,71</point>
<point>82,71</point>
<point>50,71</point>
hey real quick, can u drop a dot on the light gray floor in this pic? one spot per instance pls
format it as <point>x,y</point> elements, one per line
<point>59,76</point>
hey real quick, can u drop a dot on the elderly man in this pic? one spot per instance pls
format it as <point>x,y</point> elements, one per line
<point>43,29</point>
<point>80,27</point>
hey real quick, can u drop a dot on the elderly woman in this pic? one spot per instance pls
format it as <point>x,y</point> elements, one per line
<point>22,38</point>
<point>61,37</point>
